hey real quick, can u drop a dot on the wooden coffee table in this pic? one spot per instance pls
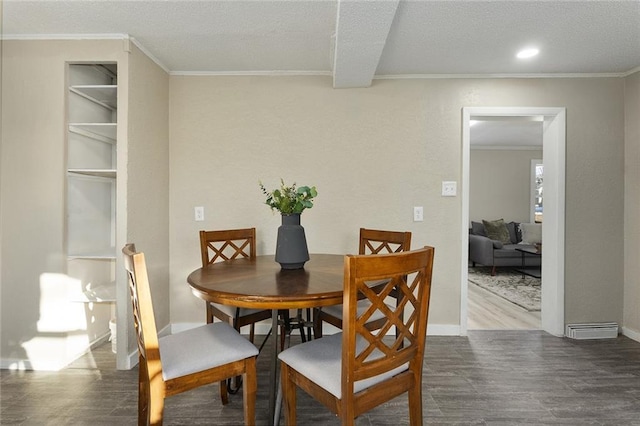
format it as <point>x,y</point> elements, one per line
<point>532,271</point>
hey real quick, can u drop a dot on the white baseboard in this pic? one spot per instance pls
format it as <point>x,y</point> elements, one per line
<point>443,330</point>
<point>631,334</point>
<point>41,360</point>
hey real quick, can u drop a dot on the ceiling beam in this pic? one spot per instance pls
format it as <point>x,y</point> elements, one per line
<point>362,27</point>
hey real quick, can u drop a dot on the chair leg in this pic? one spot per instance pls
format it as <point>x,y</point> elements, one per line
<point>209,313</point>
<point>415,404</point>
<point>300,325</point>
<point>143,404</point>
<point>224,394</point>
<point>347,413</point>
<point>317,324</point>
<point>234,387</point>
<point>288,395</point>
<point>144,393</point>
<point>308,320</point>
<point>285,328</point>
<point>156,406</point>
<point>252,332</point>
<point>249,390</point>
<point>493,271</point>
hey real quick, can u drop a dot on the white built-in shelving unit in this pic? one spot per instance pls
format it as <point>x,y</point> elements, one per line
<point>92,180</point>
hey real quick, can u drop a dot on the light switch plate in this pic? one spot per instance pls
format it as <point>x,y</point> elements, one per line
<point>449,188</point>
<point>418,214</point>
<point>199,213</point>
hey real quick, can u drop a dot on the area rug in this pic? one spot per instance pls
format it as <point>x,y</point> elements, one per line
<point>524,292</point>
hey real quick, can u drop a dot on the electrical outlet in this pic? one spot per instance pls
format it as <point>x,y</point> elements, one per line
<point>199,213</point>
<point>418,214</point>
<point>449,188</point>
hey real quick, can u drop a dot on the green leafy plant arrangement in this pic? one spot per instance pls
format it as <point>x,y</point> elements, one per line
<point>290,199</point>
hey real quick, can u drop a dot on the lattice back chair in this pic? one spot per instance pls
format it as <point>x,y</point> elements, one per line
<point>180,362</point>
<point>372,241</point>
<point>216,246</point>
<point>358,369</point>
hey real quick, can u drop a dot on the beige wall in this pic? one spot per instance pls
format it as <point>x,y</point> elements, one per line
<point>33,177</point>
<point>374,154</point>
<point>632,206</point>
<point>500,184</point>
<point>32,183</point>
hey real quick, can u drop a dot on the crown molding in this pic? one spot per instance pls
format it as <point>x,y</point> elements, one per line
<point>273,73</point>
<point>306,73</point>
<point>632,71</point>
<point>513,76</point>
<point>150,55</point>
<point>54,37</point>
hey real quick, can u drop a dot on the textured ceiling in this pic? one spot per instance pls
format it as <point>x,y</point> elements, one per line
<point>354,41</point>
<point>362,37</point>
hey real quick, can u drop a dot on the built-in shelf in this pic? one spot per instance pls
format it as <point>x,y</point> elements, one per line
<point>105,132</point>
<point>100,293</point>
<point>102,173</point>
<point>104,253</point>
<point>92,133</point>
<point>101,94</point>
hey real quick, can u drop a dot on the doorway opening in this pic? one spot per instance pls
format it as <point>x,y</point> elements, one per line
<point>505,161</point>
<point>552,286</point>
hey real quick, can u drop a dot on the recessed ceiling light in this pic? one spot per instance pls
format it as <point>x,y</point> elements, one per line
<point>527,53</point>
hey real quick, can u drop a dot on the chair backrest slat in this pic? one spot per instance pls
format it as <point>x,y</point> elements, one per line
<point>373,241</point>
<point>227,245</point>
<point>367,353</point>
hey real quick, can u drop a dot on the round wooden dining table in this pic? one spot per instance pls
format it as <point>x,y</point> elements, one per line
<point>260,283</point>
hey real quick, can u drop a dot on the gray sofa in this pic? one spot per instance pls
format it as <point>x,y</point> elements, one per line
<point>487,252</point>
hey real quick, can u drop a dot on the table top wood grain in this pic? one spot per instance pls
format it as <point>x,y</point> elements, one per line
<point>261,283</point>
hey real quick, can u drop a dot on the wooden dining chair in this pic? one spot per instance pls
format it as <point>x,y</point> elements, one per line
<point>231,244</point>
<point>183,361</point>
<point>358,369</point>
<point>372,241</point>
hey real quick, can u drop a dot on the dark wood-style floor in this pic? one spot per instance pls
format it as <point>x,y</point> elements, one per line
<point>487,378</point>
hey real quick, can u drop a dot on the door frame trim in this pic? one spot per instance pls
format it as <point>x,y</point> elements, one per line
<point>553,233</point>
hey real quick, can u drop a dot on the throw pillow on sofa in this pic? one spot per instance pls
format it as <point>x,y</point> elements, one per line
<point>497,230</point>
<point>514,232</point>
<point>531,233</point>
<point>477,229</point>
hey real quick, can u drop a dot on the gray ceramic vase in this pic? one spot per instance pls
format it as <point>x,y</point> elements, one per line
<point>291,246</point>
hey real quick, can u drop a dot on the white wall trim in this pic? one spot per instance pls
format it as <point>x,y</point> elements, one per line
<point>267,73</point>
<point>553,233</point>
<point>443,330</point>
<point>542,75</point>
<point>632,71</point>
<point>631,334</point>
<point>53,37</point>
<point>116,36</point>
<point>149,54</point>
